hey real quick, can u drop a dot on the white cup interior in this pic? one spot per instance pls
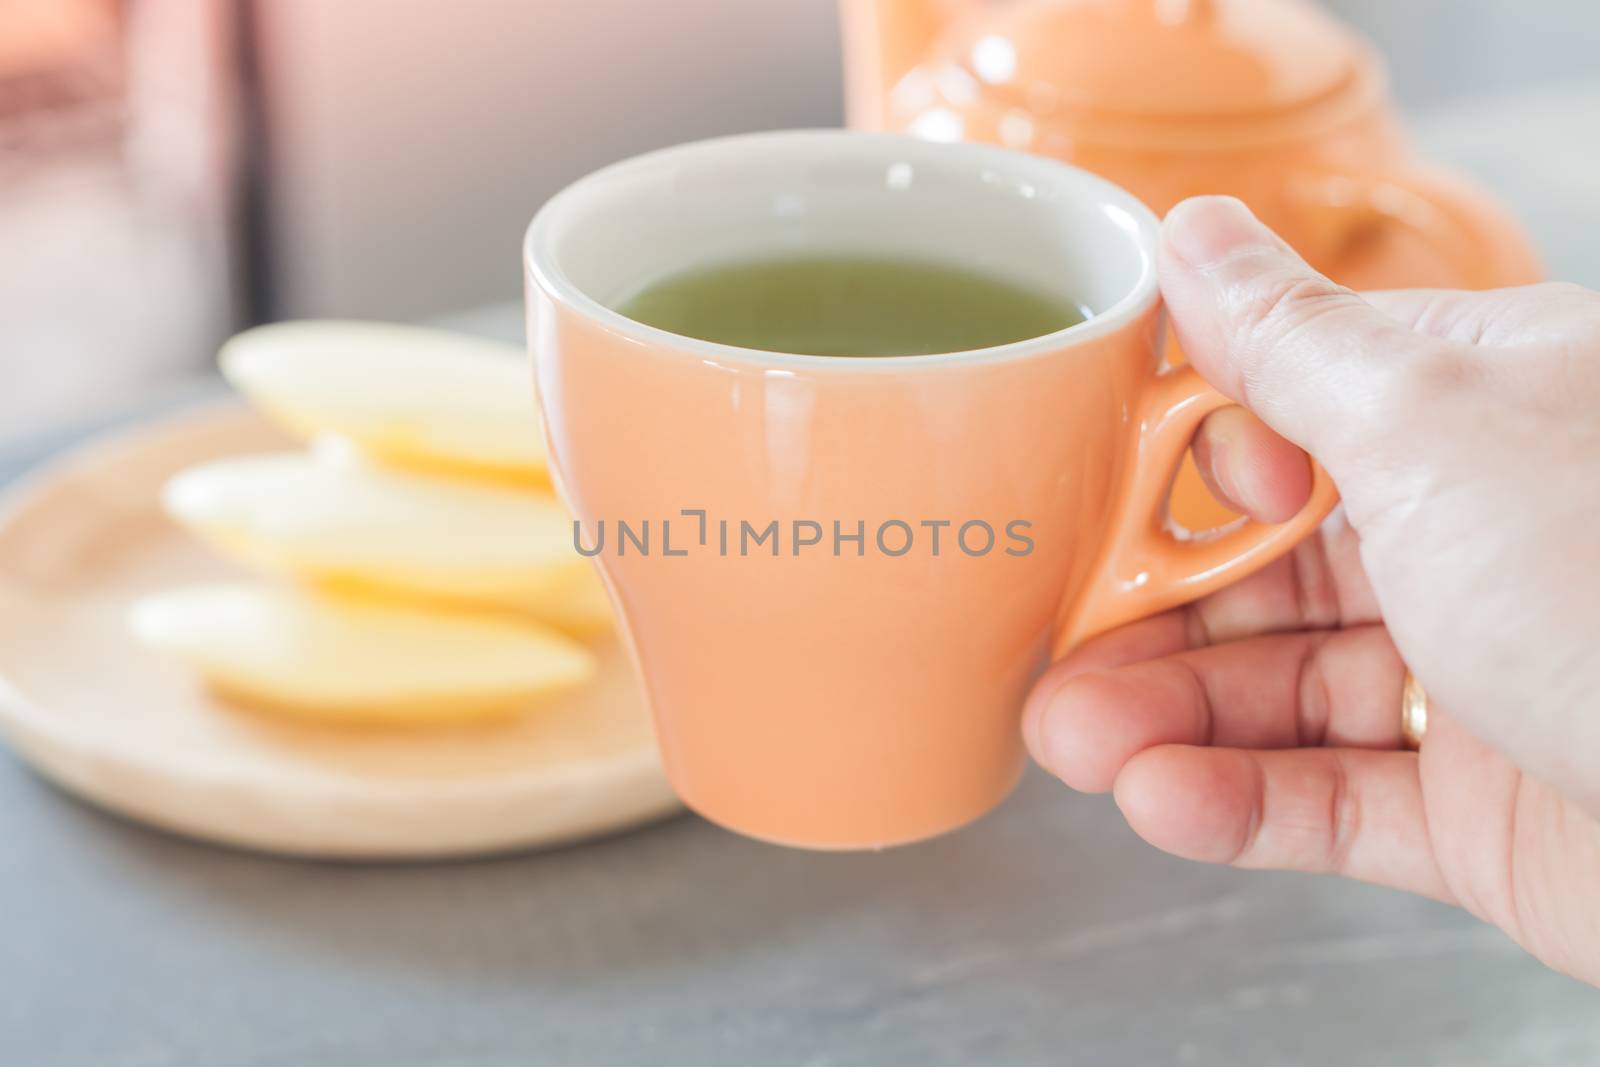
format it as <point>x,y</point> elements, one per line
<point>1036,222</point>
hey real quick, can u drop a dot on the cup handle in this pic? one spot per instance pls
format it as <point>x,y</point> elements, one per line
<point>1444,212</point>
<point>1147,566</point>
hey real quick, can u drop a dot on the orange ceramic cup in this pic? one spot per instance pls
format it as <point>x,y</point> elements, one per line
<point>833,647</point>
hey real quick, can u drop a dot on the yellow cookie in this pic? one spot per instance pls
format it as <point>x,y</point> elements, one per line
<point>345,523</point>
<point>344,659</point>
<point>408,394</point>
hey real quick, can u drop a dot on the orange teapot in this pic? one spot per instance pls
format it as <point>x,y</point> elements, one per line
<point>1272,101</point>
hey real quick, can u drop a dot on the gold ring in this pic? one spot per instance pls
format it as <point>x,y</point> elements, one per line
<point>1413,712</point>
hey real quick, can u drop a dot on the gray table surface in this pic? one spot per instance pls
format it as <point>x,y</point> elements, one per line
<point>1047,933</point>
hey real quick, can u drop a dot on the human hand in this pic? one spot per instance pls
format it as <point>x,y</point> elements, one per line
<point>1260,726</point>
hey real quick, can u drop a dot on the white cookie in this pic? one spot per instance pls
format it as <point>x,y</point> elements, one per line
<point>352,660</point>
<point>408,394</point>
<point>349,524</point>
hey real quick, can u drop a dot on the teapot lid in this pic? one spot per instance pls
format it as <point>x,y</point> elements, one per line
<point>1161,59</point>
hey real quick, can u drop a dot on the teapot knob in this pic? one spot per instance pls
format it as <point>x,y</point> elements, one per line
<point>1178,12</point>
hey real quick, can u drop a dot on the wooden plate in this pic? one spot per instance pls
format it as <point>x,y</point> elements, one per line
<point>112,722</point>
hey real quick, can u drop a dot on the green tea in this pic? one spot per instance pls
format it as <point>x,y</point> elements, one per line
<point>844,305</point>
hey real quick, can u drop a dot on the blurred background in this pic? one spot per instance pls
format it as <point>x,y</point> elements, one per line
<point>172,170</point>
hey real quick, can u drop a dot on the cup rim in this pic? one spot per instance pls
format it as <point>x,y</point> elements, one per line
<point>544,269</point>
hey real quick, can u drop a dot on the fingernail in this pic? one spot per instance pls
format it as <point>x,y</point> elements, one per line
<point>1205,229</point>
<point>1045,741</point>
<point>1034,712</point>
<point>1223,457</point>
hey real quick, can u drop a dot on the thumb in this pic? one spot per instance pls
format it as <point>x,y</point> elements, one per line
<point>1311,358</point>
